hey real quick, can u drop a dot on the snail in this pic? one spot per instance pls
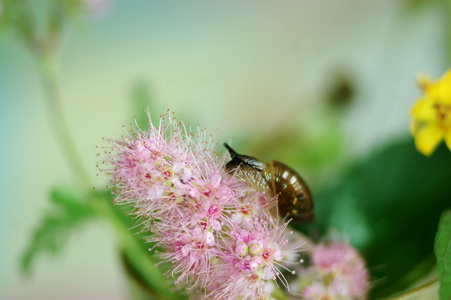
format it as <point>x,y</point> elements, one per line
<point>294,199</point>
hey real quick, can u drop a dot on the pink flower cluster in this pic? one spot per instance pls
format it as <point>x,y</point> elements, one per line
<point>213,229</point>
<point>337,272</point>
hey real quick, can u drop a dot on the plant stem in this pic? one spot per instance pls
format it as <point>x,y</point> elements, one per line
<point>49,73</point>
<point>45,50</point>
<point>418,290</point>
<point>139,261</point>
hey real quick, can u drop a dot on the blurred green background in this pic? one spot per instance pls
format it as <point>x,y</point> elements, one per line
<point>317,85</point>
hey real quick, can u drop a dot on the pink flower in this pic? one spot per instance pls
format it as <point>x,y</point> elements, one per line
<point>344,260</point>
<point>252,259</point>
<point>150,173</point>
<point>189,249</point>
<point>213,229</point>
<point>337,272</point>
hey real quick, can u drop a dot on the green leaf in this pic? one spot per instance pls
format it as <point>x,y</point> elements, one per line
<point>68,211</point>
<point>443,255</point>
<point>388,205</point>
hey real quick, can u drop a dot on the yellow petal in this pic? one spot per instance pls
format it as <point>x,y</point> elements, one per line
<point>446,77</point>
<point>424,110</point>
<point>444,88</point>
<point>427,138</point>
<point>414,125</point>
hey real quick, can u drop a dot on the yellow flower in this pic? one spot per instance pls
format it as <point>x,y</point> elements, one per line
<point>432,115</point>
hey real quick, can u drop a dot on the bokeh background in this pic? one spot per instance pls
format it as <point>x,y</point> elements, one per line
<point>316,84</point>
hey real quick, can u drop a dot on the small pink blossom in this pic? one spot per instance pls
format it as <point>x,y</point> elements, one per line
<point>189,250</point>
<point>337,272</point>
<point>251,259</point>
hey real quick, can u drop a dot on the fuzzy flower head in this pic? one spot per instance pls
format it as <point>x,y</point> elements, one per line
<point>254,259</point>
<point>432,115</point>
<point>337,272</point>
<point>152,170</point>
<point>214,230</point>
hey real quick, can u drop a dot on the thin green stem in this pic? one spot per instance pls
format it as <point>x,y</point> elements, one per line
<point>140,265</point>
<point>418,290</point>
<point>49,75</point>
<point>45,50</point>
